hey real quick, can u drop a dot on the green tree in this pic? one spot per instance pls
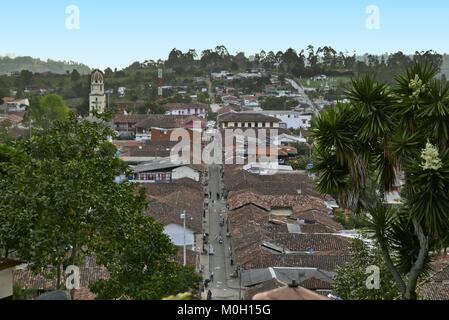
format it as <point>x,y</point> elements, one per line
<point>4,131</point>
<point>47,110</point>
<point>143,268</point>
<point>275,103</point>
<point>75,76</point>
<point>350,281</point>
<point>300,164</point>
<point>25,77</point>
<point>60,203</point>
<point>361,147</point>
<point>14,224</point>
<point>4,92</point>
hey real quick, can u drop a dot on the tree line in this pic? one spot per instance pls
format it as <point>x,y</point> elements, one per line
<point>303,63</point>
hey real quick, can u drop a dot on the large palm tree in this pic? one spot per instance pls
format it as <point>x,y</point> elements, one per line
<point>363,146</point>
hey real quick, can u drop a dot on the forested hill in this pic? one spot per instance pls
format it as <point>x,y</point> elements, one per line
<point>17,64</point>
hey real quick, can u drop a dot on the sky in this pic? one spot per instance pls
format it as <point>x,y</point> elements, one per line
<point>113,33</point>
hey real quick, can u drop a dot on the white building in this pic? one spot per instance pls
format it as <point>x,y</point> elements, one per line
<point>186,109</point>
<point>176,234</point>
<point>97,97</point>
<point>16,105</point>
<point>286,139</point>
<point>251,102</point>
<point>7,267</point>
<point>268,168</point>
<point>290,119</point>
<point>247,120</point>
<point>164,170</point>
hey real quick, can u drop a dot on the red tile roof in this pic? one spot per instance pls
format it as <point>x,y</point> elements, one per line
<point>169,200</point>
<point>167,122</point>
<point>237,179</point>
<point>129,119</point>
<point>90,273</point>
<point>437,286</point>
<point>288,293</point>
<point>252,230</point>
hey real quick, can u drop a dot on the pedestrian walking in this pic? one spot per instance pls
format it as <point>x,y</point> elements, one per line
<point>209,295</point>
<point>211,277</point>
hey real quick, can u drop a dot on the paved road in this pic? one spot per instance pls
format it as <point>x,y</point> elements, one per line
<point>223,287</point>
<point>301,91</point>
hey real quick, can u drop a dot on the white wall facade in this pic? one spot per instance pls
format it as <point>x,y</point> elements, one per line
<point>250,125</point>
<point>176,234</point>
<point>185,172</point>
<point>199,112</point>
<point>97,97</point>
<point>6,283</point>
<point>293,120</point>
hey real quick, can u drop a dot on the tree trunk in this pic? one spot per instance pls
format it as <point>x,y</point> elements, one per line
<point>58,279</point>
<point>395,273</point>
<point>417,267</point>
<point>72,262</point>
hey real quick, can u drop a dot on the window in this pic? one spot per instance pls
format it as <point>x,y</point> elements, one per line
<point>154,176</point>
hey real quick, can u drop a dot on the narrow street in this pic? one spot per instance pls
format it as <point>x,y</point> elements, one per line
<point>223,286</point>
<point>301,91</point>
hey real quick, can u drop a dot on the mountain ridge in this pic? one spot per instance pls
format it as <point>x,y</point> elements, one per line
<point>10,64</point>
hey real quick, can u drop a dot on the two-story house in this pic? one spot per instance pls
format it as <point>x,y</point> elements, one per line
<point>290,119</point>
<point>247,120</point>
<point>186,109</point>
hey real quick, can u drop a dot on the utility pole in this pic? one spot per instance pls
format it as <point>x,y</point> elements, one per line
<point>240,283</point>
<point>184,217</point>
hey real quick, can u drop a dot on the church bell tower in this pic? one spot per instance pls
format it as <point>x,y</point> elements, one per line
<point>97,97</point>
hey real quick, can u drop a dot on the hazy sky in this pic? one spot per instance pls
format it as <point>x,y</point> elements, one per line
<point>116,33</point>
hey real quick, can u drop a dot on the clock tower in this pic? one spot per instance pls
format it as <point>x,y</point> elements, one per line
<point>97,97</point>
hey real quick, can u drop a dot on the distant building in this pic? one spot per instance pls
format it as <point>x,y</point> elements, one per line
<point>247,120</point>
<point>290,119</point>
<point>127,122</point>
<point>7,266</point>
<point>251,102</point>
<point>97,97</point>
<point>286,139</point>
<point>186,109</point>
<point>15,105</point>
<point>166,203</point>
<point>164,170</point>
<point>160,127</point>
